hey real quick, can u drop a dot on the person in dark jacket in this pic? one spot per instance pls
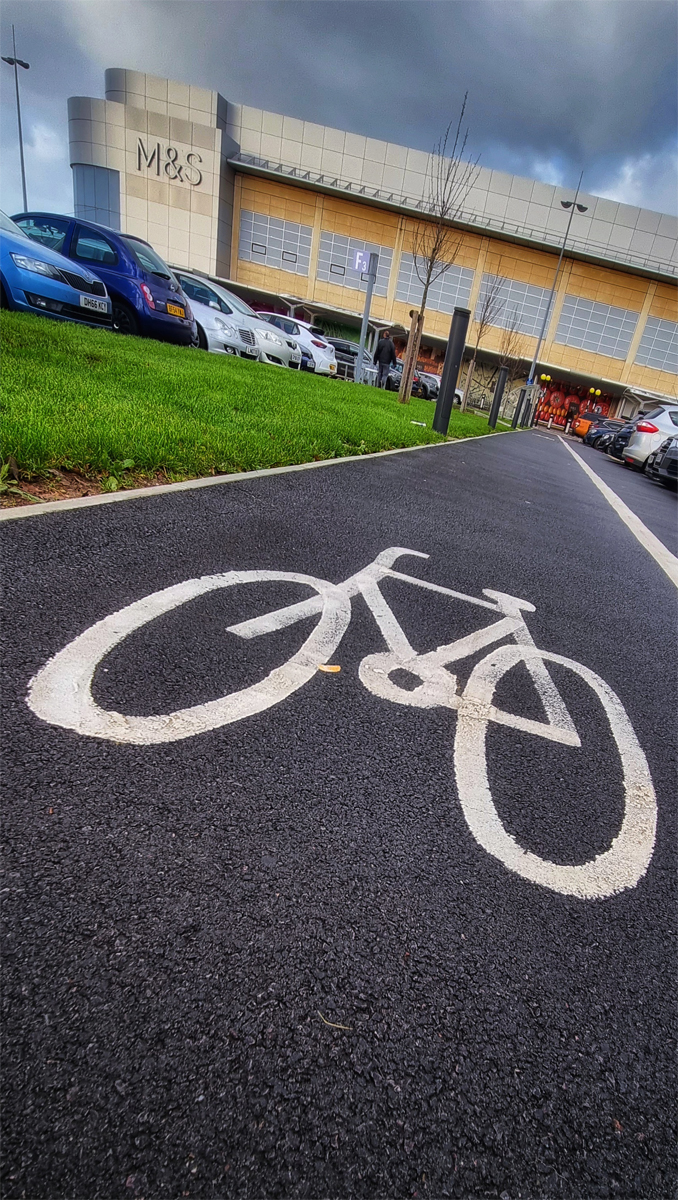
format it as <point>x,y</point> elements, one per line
<point>384,357</point>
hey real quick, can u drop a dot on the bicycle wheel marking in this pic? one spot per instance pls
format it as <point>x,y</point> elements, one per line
<point>61,692</point>
<point>627,859</point>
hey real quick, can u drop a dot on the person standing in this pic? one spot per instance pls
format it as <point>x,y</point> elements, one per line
<point>384,357</point>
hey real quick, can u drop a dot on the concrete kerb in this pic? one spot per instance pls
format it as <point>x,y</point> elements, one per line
<point>51,506</point>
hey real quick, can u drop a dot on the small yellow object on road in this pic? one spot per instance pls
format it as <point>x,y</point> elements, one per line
<point>331,668</point>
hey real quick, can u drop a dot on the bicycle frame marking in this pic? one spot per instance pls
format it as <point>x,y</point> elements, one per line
<point>61,694</point>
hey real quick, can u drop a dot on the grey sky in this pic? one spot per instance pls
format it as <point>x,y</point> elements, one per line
<point>554,85</point>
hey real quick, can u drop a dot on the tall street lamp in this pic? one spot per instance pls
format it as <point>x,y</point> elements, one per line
<point>17,62</point>
<point>573,206</point>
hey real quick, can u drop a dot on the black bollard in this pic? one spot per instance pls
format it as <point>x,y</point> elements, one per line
<point>497,398</point>
<point>519,405</point>
<point>453,357</point>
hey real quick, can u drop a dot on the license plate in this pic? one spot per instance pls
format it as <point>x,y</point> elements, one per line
<point>295,358</point>
<point>175,311</point>
<point>96,305</point>
<point>333,366</point>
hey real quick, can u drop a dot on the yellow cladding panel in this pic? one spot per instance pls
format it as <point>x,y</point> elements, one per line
<point>665,302</point>
<point>655,381</point>
<point>274,199</point>
<point>607,287</point>
<point>467,246</point>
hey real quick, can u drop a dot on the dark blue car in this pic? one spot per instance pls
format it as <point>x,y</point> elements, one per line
<point>146,297</point>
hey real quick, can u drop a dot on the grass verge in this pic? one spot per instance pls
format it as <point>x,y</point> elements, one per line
<point>121,409</point>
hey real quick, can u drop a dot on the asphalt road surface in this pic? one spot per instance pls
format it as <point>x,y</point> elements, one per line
<point>291,955</point>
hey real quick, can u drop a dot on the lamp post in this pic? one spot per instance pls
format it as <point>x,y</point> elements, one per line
<point>573,206</point>
<point>17,62</point>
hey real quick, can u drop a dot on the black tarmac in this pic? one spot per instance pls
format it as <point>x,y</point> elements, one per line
<point>272,960</point>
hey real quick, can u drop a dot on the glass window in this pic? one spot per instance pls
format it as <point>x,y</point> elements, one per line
<point>147,257</point>
<point>94,247</point>
<point>445,293</point>
<point>600,328</point>
<point>45,230</point>
<point>281,244</point>
<point>659,345</point>
<point>673,417</point>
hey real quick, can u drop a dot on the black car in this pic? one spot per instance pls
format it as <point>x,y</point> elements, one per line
<point>620,440</point>
<point>346,354</point>
<point>602,427</point>
<point>662,465</point>
<point>419,387</point>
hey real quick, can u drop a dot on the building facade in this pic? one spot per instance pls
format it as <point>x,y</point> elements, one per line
<point>276,207</point>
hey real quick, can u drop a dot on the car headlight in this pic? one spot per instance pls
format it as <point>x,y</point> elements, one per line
<point>36,265</point>
<point>269,336</point>
<point>229,330</point>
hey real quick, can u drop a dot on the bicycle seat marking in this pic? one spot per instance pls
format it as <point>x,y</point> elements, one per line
<point>61,694</point>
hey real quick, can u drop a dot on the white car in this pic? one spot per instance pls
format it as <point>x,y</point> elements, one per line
<point>257,338</point>
<point>319,354</point>
<point>651,430</point>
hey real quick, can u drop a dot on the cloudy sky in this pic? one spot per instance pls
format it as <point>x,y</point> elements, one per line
<point>555,86</point>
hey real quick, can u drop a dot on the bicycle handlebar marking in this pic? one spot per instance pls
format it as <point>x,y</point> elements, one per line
<point>61,694</point>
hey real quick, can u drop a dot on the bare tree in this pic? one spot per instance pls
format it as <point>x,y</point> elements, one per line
<point>488,312</point>
<point>512,347</point>
<point>435,240</point>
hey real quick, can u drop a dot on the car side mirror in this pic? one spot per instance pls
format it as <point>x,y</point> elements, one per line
<point>213,304</point>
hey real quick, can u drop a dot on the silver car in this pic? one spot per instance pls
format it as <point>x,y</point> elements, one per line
<point>264,343</point>
<point>651,430</point>
<point>217,329</point>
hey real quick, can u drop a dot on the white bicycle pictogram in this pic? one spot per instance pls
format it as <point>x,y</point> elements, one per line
<point>61,694</point>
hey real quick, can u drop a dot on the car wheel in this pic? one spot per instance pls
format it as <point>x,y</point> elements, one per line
<point>198,341</point>
<point>424,392</point>
<point>124,320</point>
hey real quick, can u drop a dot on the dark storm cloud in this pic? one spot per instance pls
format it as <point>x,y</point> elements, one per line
<point>554,85</point>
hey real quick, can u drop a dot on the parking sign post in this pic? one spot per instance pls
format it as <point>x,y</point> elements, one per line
<point>367,265</point>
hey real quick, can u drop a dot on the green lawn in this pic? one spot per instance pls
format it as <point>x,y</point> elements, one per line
<point>87,400</point>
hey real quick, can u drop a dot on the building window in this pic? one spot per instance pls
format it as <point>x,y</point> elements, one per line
<point>281,244</point>
<point>599,328</point>
<point>659,345</point>
<point>96,195</point>
<point>516,302</point>
<point>337,257</point>
<point>445,294</point>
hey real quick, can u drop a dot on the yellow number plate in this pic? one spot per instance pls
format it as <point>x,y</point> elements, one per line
<point>175,310</point>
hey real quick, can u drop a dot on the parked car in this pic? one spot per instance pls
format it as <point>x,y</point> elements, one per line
<point>582,423</point>
<point>619,440</point>
<point>649,433</point>
<point>265,344</point>
<point>37,279</point>
<point>319,355</point>
<point>662,464</point>
<point>217,329</point>
<point>419,387</point>
<point>432,382</point>
<point>347,357</point>
<point>147,299</point>
<point>600,427</point>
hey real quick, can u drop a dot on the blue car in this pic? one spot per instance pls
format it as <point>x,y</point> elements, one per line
<point>36,279</point>
<point>147,299</point>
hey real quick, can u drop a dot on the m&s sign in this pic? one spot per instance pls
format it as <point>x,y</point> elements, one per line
<point>169,163</point>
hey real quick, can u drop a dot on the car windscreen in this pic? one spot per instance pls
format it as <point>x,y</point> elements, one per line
<point>7,225</point>
<point>147,258</point>
<point>238,304</point>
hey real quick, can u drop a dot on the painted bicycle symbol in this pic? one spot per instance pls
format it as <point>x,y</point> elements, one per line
<point>61,693</point>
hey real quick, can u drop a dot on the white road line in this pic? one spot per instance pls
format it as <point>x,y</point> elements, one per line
<point>667,561</point>
<point>51,506</point>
